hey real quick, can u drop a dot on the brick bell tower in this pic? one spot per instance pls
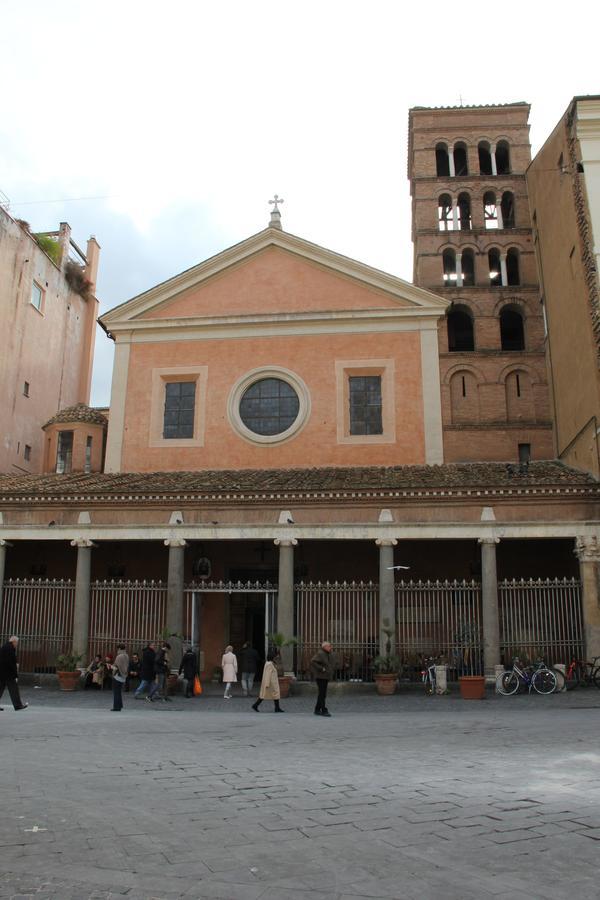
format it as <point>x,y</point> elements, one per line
<point>473,245</point>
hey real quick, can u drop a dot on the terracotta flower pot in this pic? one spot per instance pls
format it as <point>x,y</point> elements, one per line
<point>284,686</point>
<point>386,684</point>
<point>472,687</point>
<point>68,681</point>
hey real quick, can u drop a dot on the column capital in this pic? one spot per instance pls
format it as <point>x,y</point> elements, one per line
<point>83,543</point>
<point>386,542</point>
<point>285,542</point>
<point>488,539</point>
<point>587,549</point>
<point>175,542</point>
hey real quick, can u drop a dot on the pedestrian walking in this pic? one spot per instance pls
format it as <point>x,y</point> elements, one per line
<point>269,687</point>
<point>249,664</point>
<point>147,675</point>
<point>189,669</point>
<point>9,672</point>
<point>321,666</point>
<point>135,672</point>
<point>120,669</point>
<point>161,670</point>
<point>230,667</point>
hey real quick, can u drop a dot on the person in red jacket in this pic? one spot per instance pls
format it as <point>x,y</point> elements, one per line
<point>9,672</point>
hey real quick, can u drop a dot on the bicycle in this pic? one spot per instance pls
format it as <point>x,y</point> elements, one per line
<point>542,679</point>
<point>579,673</point>
<point>428,676</point>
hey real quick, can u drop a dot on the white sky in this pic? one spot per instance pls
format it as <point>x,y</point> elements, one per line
<point>186,117</point>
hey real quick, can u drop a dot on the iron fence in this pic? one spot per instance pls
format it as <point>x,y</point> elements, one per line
<point>131,612</point>
<point>40,612</point>
<point>439,619</point>
<point>345,613</point>
<point>541,618</point>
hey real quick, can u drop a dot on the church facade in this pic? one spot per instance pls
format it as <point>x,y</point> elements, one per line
<point>277,459</point>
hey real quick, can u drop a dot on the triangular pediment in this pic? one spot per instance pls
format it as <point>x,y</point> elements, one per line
<point>273,273</point>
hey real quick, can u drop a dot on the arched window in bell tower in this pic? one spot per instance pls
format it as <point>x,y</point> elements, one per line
<point>460,330</point>
<point>508,209</point>
<point>449,263</point>
<point>445,215</point>
<point>512,266</point>
<point>464,211</point>
<point>468,268</point>
<point>495,267</point>
<point>502,158</point>
<point>461,166</point>
<point>442,160</point>
<point>490,210</point>
<point>485,158</point>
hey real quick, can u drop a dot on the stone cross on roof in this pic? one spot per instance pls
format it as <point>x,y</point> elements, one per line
<point>275,214</point>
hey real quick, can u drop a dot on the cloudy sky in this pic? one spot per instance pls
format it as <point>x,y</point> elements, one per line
<point>164,128</point>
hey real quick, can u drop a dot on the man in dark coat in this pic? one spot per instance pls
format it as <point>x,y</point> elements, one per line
<point>321,666</point>
<point>9,672</point>
<point>248,665</point>
<point>161,670</point>
<point>189,668</point>
<point>147,669</point>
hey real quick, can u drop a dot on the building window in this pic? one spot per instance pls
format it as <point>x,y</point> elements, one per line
<point>37,296</point>
<point>512,333</point>
<point>460,331</point>
<point>87,467</point>
<point>502,158</point>
<point>64,452</point>
<point>442,160</point>
<point>490,211</point>
<point>270,406</point>
<point>365,404</point>
<point>524,453</point>
<point>485,158</point>
<point>445,213</point>
<point>26,389</point>
<point>180,401</point>
<point>512,267</point>
<point>495,267</point>
<point>27,453</point>
<point>449,263</point>
<point>468,268</point>
<point>507,207</point>
<point>460,159</point>
<point>464,212</point>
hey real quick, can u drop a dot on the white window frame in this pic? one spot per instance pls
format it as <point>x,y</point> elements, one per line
<point>250,378</point>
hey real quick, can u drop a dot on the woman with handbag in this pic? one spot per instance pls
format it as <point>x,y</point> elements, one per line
<point>120,668</point>
<point>189,669</point>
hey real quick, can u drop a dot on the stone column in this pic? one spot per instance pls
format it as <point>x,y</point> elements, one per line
<point>489,607</point>
<point>587,550</point>
<point>459,276</point>
<point>503,270</point>
<point>175,597</point>
<point>3,546</point>
<point>451,162</point>
<point>387,601</point>
<point>81,613</point>
<point>455,219</point>
<point>493,158</point>
<point>285,598</point>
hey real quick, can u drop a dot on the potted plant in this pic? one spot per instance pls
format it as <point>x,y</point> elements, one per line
<point>472,687</point>
<point>278,641</point>
<point>387,665</point>
<point>67,671</point>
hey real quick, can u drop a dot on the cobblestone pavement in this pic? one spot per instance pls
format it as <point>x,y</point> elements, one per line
<point>400,797</point>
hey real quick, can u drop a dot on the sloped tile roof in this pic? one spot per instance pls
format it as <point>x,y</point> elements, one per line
<point>250,484</point>
<point>78,413</point>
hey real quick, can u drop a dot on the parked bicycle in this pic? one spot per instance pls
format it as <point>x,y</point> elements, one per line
<point>428,675</point>
<point>579,673</point>
<point>541,679</point>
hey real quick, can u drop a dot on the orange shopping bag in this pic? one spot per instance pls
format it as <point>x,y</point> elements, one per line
<point>197,686</point>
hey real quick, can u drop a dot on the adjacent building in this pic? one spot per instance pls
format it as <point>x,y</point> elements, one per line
<point>48,312</point>
<point>564,191</point>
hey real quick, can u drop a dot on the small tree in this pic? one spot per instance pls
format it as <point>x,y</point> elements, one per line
<point>387,663</point>
<point>278,641</point>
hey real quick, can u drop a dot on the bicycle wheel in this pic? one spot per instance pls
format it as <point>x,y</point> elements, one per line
<point>507,683</point>
<point>560,679</point>
<point>428,687</point>
<point>596,677</point>
<point>544,681</point>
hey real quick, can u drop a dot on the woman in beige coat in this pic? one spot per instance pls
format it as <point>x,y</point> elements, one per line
<point>269,688</point>
<point>229,665</point>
